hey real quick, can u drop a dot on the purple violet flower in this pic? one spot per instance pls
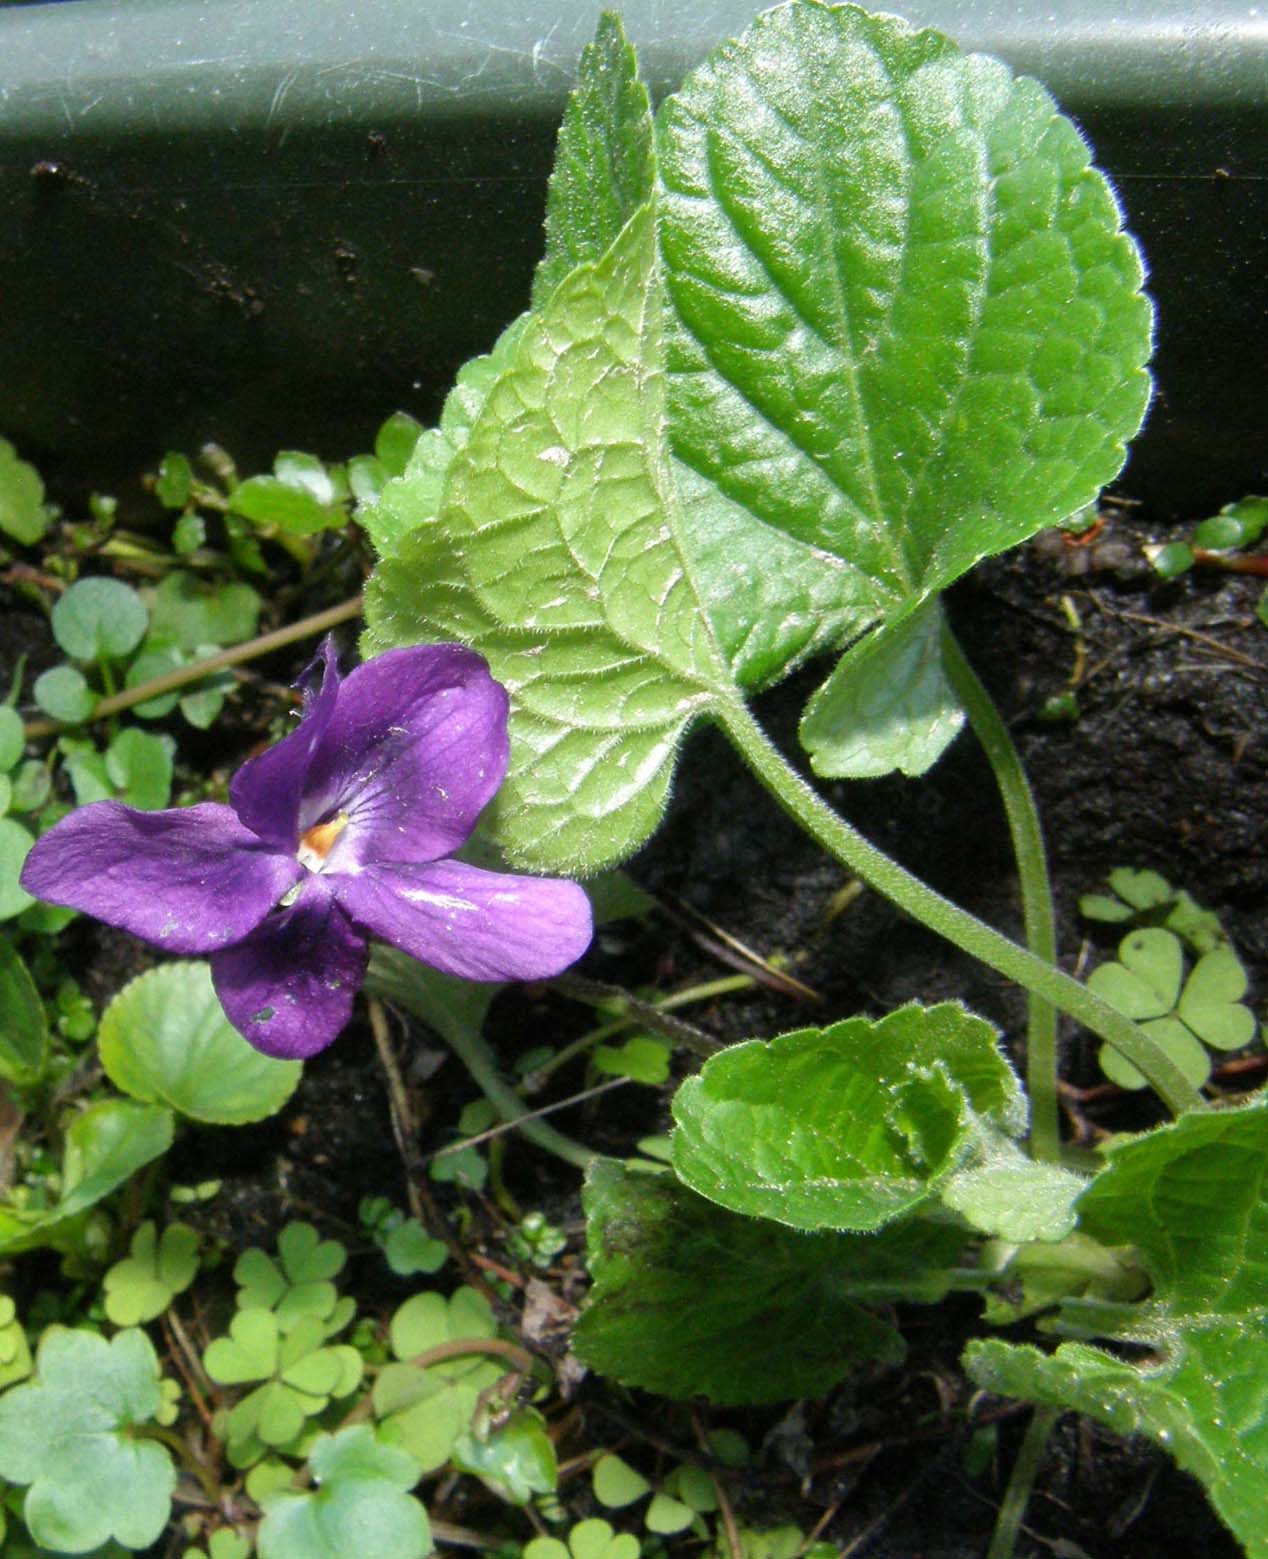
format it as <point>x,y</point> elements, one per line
<point>340,832</point>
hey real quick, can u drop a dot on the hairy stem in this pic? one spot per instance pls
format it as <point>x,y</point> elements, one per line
<point>963,930</point>
<point>1038,917</point>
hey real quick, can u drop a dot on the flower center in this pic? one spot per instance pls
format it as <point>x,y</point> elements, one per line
<point>315,845</point>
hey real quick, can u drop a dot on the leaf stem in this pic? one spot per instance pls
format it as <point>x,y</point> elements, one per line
<point>1021,1481</point>
<point>265,644</point>
<point>1038,917</point>
<point>963,930</point>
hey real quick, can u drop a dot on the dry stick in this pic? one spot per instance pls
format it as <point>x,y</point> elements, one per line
<point>404,1126</point>
<point>306,628</point>
<point>532,1115</point>
<point>592,992</point>
<point>724,1500</point>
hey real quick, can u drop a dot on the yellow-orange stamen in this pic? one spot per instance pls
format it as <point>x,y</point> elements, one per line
<point>315,845</point>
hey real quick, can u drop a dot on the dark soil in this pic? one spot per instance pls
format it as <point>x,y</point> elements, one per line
<point>1166,766</point>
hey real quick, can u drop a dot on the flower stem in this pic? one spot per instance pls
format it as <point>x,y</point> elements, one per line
<point>960,928</point>
<point>265,644</point>
<point>1021,1481</point>
<point>1038,916</point>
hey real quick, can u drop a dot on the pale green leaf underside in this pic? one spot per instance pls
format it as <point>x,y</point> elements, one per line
<point>555,555</point>
<point>886,705</point>
<point>1192,1197</point>
<point>846,1127</point>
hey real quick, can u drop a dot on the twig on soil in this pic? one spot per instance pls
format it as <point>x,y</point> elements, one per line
<point>734,952</point>
<point>719,1488</point>
<point>654,1017</point>
<point>265,644</point>
<point>531,1115</point>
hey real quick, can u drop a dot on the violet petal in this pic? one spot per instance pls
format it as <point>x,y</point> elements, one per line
<point>191,879</point>
<point>266,791</point>
<point>289,987</point>
<point>477,924</point>
<point>414,752</point>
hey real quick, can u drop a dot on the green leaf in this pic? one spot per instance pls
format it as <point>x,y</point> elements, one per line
<point>555,554</point>
<point>186,611</point>
<point>604,165</point>
<point>15,845</point>
<point>362,1505</point>
<point>1211,1005</point>
<point>846,1127</point>
<point>31,785</point>
<point>518,1458</point>
<point>139,765</point>
<point>174,481</point>
<point>590,1539</point>
<point>15,1353</point>
<point>68,1434</point>
<point>144,1283</point>
<point>99,617</point>
<point>300,498</point>
<point>644,1058</point>
<point>689,1299</point>
<point>1193,1198</point>
<point>410,1249</point>
<point>1145,982</point>
<point>106,1143</point>
<point>887,704</point>
<point>394,442</point>
<point>12,739</point>
<point>24,1043</point>
<point>22,512</point>
<point>617,1484</point>
<point>155,660</point>
<point>906,327</point>
<point>63,693</point>
<point>164,1039</point>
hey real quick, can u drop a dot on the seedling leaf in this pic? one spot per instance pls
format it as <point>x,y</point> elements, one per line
<point>24,1041</point>
<point>362,1505</point>
<point>99,617</point>
<point>144,1283</point>
<point>22,512</point>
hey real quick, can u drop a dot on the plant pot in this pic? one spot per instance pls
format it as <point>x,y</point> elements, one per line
<point>270,225</point>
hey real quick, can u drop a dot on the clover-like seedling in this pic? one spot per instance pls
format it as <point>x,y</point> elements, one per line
<point>224,1543</point>
<point>362,1504</point>
<point>76,1435</point>
<point>1146,898</point>
<point>408,1247</point>
<point>425,1410</point>
<point>1184,1016</point>
<point>537,1240</point>
<point>297,1285</point>
<point>590,1539</point>
<point>143,1284</point>
<point>15,1355</point>
<point>298,1374</point>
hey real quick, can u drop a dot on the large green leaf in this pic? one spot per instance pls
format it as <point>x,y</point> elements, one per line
<point>906,325</point>
<point>690,1299</point>
<point>604,168</point>
<point>1192,1197</point>
<point>556,554</point>
<point>165,1039</point>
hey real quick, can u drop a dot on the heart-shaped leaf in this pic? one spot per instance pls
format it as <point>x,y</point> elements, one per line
<point>68,1433</point>
<point>1145,982</point>
<point>1211,1004</point>
<point>907,328</point>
